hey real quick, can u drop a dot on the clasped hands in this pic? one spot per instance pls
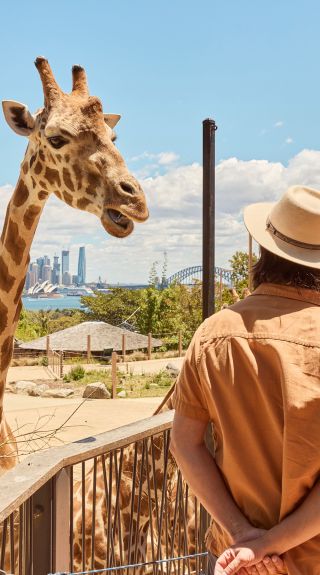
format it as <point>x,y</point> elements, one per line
<point>250,555</point>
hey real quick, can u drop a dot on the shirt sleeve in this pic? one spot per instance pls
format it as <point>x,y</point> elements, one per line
<point>188,398</point>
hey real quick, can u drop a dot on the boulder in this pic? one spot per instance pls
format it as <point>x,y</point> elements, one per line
<point>38,390</point>
<point>172,369</point>
<point>153,385</point>
<point>122,393</point>
<point>96,390</point>
<point>58,392</point>
<point>23,387</point>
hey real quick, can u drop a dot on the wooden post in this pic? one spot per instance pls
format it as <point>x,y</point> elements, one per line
<point>250,262</point>
<point>61,364</point>
<point>48,346</point>
<point>149,345</point>
<point>61,533</point>
<point>180,345</point>
<point>114,360</point>
<point>124,346</point>
<point>38,525</point>
<point>88,348</point>
<point>208,237</point>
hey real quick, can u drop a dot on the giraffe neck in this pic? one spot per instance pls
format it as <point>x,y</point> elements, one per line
<point>22,217</point>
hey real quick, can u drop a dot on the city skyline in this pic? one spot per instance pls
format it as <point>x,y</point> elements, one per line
<point>41,270</point>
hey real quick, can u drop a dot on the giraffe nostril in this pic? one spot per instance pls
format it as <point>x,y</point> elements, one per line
<point>127,188</point>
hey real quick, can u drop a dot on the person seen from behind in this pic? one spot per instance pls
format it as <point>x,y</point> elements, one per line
<point>253,372</point>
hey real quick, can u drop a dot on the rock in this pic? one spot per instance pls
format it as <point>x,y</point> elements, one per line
<point>23,387</point>
<point>122,393</point>
<point>172,369</point>
<point>153,385</point>
<point>38,390</point>
<point>96,390</point>
<point>58,392</point>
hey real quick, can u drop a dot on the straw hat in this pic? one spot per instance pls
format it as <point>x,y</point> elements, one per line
<point>289,228</point>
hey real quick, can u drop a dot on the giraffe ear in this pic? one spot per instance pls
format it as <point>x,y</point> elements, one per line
<point>18,117</point>
<point>111,119</point>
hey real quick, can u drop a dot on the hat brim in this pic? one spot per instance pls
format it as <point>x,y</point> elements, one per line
<point>255,219</point>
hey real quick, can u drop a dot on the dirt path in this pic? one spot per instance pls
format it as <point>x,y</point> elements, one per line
<point>33,418</point>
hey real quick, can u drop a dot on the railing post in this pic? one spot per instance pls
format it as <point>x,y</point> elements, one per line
<point>114,359</point>
<point>39,561</point>
<point>48,346</point>
<point>180,344</point>
<point>124,346</point>
<point>149,345</point>
<point>89,348</point>
<point>61,523</point>
<point>61,364</point>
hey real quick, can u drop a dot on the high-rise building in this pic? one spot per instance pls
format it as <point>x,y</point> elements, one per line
<point>56,270</point>
<point>82,266</point>
<point>47,273</point>
<point>66,278</point>
<point>75,280</point>
<point>34,268</point>
<point>65,261</point>
<point>40,262</point>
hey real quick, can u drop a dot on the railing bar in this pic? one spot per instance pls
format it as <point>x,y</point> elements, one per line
<point>106,491</point>
<point>117,513</point>
<point>196,541</point>
<point>3,543</point>
<point>179,523</point>
<point>12,547</point>
<point>155,477</point>
<point>139,509</point>
<point>83,497</point>
<point>150,505</point>
<point>134,474</point>
<point>130,566</point>
<point>21,538</point>
<point>93,519</point>
<point>174,525</point>
<point>185,538</point>
<point>164,485</point>
<point>110,530</point>
<point>166,535</point>
<point>71,536</point>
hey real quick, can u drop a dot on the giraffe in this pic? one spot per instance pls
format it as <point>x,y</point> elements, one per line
<point>70,153</point>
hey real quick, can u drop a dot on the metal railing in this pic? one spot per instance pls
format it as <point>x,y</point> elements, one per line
<point>55,363</point>
<point>114,502</point>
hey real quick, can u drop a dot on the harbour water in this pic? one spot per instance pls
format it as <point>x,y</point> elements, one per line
<point>65,302</point>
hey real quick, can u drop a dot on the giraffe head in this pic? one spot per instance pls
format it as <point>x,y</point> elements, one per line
<point>71,153</point>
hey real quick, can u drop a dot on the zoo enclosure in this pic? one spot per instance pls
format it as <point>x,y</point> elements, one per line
<point>43,499</point>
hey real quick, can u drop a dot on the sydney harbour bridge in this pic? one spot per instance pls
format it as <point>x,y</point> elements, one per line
<point>191,274</point>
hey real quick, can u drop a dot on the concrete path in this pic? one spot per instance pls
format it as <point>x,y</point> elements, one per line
<point>35,419</point>
<point>135,367</point>
<point>33,372</point>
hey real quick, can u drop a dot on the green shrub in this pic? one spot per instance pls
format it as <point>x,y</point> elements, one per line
<point>76,373</point>
<point>163,379</point>
<point>44,360</point>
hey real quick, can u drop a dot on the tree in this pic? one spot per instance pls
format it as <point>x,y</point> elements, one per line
<point>114,307</point>
<point>240,270</point>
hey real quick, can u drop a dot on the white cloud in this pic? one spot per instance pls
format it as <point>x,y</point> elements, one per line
<point>279,124</point>
<point>289,141</point>
<point>175,202</point>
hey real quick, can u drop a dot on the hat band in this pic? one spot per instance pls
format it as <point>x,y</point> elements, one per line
<point>291,241</point>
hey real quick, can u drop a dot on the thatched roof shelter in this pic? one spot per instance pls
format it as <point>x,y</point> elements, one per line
<point>103,337</point>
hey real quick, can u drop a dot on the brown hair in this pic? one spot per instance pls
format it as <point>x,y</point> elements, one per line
<point>274,269</point>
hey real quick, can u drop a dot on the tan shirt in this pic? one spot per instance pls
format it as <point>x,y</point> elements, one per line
<point>253,369</point>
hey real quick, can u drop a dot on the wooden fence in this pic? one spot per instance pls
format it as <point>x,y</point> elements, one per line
<point>115,502</point>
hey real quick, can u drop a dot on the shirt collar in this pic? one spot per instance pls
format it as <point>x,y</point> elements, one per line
<point>290,292</point>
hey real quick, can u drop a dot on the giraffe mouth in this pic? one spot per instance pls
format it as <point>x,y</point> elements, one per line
<point>116,223</point>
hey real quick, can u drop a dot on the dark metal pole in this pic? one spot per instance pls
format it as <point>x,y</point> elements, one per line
<point>208,241</point>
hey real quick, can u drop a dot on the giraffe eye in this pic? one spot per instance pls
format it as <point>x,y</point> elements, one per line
<point>57,141</point>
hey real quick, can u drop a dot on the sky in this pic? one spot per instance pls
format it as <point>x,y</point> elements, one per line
<point>165,66</point>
